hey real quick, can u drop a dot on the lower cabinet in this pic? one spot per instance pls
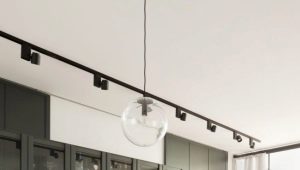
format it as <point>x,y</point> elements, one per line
<point>86,159</point>
<point>143,165</point>
<point>47,155</point>
<point>22,152</point>
<point>117,162</point>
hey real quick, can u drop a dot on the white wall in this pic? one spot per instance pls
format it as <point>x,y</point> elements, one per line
<point>83,126</point>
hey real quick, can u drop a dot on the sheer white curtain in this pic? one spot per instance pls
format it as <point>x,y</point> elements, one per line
<point>253,162</point>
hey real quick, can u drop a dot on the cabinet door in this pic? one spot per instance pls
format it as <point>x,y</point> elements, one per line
<point>198,157</point>
<point>85,159</point>
<point>47,159</point>
<point>1,106</point>
<point>217,160</point>
<point>177,152</point>
<point>48,155</point>
<point>143,165</point>
<point>117,162</point>
<point>10,155</point>
<point>26,111</point>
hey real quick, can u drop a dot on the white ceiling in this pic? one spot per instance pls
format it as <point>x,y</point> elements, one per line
<point>236,62</point>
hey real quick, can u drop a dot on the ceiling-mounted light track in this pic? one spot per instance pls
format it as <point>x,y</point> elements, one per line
<point>111,79</point>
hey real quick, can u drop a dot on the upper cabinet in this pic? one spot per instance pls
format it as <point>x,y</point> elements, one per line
<point>177,152</point>
<point>23,110</point>
<point>183,154</point>
<point>217,159</point>
<point>198,156</point>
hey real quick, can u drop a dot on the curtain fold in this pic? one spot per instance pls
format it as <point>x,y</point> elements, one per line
<point>253,162</point>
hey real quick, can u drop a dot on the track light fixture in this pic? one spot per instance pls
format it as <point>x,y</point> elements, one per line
<point>180,115</point>
<point>34,58</point>
<point>98,82</point>
<point>237,137</point>
<point>251,143</point>
<point>211,127</point>
<point>26,54</point>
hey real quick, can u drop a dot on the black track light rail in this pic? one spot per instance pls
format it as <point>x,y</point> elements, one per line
<point>116,81</point>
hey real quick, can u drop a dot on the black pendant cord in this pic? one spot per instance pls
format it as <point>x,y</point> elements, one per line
<point>65,60</point>
<point>145,46</point>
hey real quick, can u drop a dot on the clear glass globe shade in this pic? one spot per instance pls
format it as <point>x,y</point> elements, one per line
<point>144,122</point>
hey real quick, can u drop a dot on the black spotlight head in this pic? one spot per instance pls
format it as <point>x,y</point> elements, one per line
<point>183,117</point>
<point>104,85</point>
<point>213,128</point>
<point>239,138</point>
<point>35,58</point>
<point>98,82</point>
<point>252,145</point>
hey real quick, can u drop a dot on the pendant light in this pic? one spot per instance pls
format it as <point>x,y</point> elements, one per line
<point>144,122</point>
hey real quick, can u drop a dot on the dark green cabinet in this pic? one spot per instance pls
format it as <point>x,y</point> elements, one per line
<point>23,110</point>
<point>183,154</point>
<point>87,159</point>
<point>198,157</point>
<point>144,165</point>
<point>117,162</point>
<point>48,155</point>
<point>177,152</point>
<point>217,159</point>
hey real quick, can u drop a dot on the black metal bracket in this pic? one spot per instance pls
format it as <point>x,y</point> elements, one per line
<point>98,82</point>
<point>26,54</point>
<point>180,115</point>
